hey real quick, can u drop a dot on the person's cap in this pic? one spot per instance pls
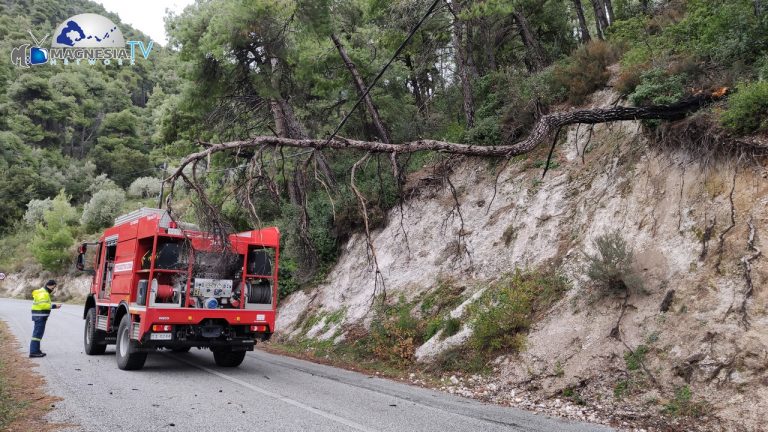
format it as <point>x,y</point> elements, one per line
<point>50,283</point>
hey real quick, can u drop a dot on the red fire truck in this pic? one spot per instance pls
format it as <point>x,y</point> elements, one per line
<point>158,284</point>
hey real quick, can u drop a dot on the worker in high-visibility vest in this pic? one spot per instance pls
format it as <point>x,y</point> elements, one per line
<point>41,308</point>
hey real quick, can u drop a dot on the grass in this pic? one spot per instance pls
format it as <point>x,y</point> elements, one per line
<point>9,407</point>
<point>683,405</point>
<point>634,359</point>
<point>500,319</point>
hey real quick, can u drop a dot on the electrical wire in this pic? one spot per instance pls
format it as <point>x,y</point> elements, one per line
<point>381,72</point>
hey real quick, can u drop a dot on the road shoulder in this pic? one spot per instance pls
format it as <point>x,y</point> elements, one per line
<point>23,400</point>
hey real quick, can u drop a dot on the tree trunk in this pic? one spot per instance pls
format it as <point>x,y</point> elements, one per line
<point>413,81</point>
<point>462,68</point>
<point>583,28</point>
<point>534,54</point>
<point>609,10</point>
<point>601,22</point>
<point>469,50</point>
<point>361,88</point>
<point>543,129</point>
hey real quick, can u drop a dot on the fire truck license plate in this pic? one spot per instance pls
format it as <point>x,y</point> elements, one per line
<point>212,287</point>
<point>161,336</point>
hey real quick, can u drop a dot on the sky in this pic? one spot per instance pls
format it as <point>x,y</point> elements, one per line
<point>145,15</point>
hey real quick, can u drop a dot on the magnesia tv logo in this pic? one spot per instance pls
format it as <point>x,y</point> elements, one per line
<point>85,38</point>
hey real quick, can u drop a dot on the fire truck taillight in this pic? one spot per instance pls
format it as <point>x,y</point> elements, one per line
<point>161,328</point>
<point>259,328</point>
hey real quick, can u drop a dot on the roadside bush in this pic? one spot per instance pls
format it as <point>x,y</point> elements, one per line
<point>747,109</point>
<point>102,209</point>
<point>54,236</point>
<point>505,311</point>
<point>611,267</point>
<point>145,187</point>
<point>395,333</point>
<point>36,210</point>
<point>584,72</point>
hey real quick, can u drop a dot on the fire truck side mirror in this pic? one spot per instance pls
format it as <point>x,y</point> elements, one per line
<point>80,264</point>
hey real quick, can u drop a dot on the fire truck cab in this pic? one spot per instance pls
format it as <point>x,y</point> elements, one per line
<point>162,285</point>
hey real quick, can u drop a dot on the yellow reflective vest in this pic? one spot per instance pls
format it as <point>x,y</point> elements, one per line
<point>41,302</point>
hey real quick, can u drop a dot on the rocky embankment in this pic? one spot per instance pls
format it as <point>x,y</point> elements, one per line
<point>692,343</point>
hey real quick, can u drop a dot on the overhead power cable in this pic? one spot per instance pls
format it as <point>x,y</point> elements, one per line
<point>381,72</point>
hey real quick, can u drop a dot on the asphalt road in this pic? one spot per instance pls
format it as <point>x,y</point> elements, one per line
<point>188,392</point>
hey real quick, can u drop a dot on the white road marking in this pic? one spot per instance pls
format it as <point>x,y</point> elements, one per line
<point>279,397</point>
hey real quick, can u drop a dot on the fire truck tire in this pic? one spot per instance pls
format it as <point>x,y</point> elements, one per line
<point>227,358</point>
<point>125,351</point>
<point>93,340</point>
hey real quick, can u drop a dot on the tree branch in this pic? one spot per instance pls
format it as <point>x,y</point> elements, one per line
<point>541,131</point>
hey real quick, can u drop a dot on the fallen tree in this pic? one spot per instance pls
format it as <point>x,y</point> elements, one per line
<point>544,128</point>
<point>259,175</point>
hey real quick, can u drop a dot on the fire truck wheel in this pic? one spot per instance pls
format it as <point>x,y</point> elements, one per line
<point>228,358</point>
<point>93,340</point>
<point>127,357</point>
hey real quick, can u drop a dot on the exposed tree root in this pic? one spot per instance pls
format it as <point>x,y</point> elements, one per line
<point>721,237</point>
<point>746,265</point>
<point>706,237</point>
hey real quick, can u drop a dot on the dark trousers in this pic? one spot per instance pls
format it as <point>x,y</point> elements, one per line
<point>37,333</point>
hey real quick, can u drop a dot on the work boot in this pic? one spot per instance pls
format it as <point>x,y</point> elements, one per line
<point>37,354</point>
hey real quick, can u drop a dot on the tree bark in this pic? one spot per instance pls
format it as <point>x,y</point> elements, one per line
<point>413,81</point>
<point>543,129</point>
<point>534,54</point>
<point>583,28</point>
<point>601,22</point>
<point>609,11</point>
<point>462,67</point>
<point>361,88</point>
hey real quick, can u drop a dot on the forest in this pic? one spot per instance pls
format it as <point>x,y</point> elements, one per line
<point>292,81</point>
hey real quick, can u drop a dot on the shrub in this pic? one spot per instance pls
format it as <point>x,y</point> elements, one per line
<point>145,187</point>
<point>747,109</point>
<point>102,182</point>
<point>634,359</point>
<point>584,72</point>
<point>36,210</point>
<point>102,209</point>
<point>682,404</point>
<point>505,311</point>
<point>53,236</point>
<point>657,87</point>
<point>395,333</point>
<point>611,267</point>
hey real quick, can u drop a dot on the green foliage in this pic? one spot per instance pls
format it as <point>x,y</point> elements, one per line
<point>505,311</point>
<point>395,333</point>
<point>102,209</point>
<point>36,210</point>
<point>747,110</point>
<point>634,359</point>
<point>683,405</point>
<point>585,71</point>
<point>656,87</point>
<point>54,236</point>
<point>145,187</point>
<point>611,267</point>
